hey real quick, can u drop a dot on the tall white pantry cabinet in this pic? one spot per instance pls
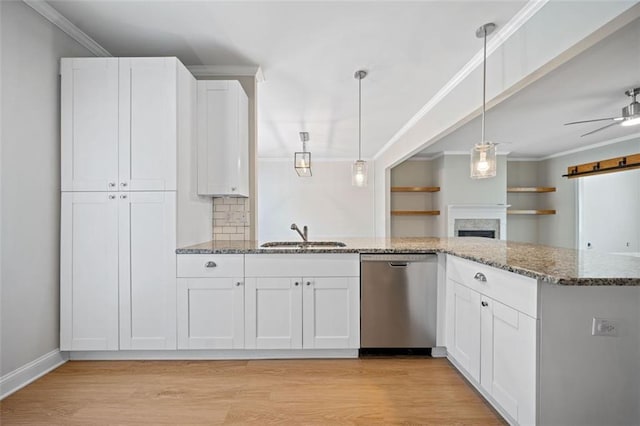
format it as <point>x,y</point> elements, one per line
<point>122,122</point>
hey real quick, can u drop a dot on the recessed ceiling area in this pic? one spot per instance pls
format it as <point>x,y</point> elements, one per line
<point>530,123</point>
<point>308,52</point>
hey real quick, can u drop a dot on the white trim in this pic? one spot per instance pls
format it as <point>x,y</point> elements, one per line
<point>21,377</point>
<point>519,19</point>
<point>313,159</point>
<point>53,16</point>
<point>215,354</point>
<point>227,70</point>
<point>524,159</point>
<point>593,146</point>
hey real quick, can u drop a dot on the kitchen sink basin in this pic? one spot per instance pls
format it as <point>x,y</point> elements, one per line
<point>303,244</point>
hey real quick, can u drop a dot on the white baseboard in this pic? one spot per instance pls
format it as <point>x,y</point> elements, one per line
<point>230,354</point>
<point>21,377</point>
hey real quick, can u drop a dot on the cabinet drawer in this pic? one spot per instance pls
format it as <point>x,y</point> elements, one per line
<point>303,265</point>
<point>210,265</point>
<point>516,291</point>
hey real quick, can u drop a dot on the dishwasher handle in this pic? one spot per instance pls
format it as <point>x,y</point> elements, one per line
<point>398,264</point>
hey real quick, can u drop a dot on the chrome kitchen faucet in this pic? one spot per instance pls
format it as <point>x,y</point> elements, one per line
<point>303,234</point>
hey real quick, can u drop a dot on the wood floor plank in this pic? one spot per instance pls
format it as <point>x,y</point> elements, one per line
<point>311,392</point>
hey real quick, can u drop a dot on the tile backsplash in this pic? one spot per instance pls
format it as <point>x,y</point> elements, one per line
<point>231,219</point>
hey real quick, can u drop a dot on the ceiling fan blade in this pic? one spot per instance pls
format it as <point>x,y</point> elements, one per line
<point>597,130</point>
<point>596,119</point>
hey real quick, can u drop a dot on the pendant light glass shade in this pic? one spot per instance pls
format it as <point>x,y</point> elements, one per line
<point>359,167</point>
<point>483,160</point>
<point>302,160</point>
<point>359,173</point>
<point>483,154</point>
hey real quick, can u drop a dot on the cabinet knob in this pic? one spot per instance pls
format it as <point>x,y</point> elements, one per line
<point>238,284</point>
<point>123,184</point>
<point>483,303</point>
<point>308,283</point>
<point>112,197</point>
<point>123,196</point>
<point>296,283</point>
<point>112,184</point>
<point>480,277</point>
<point>233,189</point>
<point>210,264</point>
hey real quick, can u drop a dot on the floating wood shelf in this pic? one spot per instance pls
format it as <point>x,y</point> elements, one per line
<point>415,188</point>
<point>532,189</point>
<point>415,212</point>
<point>531,212</point>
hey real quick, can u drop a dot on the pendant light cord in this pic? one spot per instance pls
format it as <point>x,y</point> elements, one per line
<point>484,82</point>
<point>359,117</point>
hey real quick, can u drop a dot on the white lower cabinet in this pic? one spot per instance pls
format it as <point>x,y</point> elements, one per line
<point>147,282</point>
<point>288,309</point>
<point>490,340</point>
<point>117,271</point>
<point>211,301</point>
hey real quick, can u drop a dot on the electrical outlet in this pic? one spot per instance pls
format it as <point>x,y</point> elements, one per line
<point>604,327</point>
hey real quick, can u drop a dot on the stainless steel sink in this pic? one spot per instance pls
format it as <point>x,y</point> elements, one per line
<point>303,244</point>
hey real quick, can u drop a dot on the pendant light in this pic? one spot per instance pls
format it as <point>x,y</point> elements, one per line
<point>302,160</point>
<point>483,154</point>
<point>359,168</point>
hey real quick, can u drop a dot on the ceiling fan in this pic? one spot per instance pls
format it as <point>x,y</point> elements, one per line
<point>630,114</point>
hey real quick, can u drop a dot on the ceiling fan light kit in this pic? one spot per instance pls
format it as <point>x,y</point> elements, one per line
<point>484,155</point>
<point>630,114</point>
<point>359,167</point>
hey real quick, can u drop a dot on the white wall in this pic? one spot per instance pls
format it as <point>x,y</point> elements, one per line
<point>30,177</point>
<point>325,202</point>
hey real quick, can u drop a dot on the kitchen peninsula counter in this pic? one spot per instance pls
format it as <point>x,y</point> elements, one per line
<point>549,264</point>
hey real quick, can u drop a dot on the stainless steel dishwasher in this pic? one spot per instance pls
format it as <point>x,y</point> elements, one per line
<point>398,300</point>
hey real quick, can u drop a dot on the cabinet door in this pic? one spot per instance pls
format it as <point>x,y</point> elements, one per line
<point>273,313</point>
<point>331,313</point>
<point>89,271</point>
<point>210,313</point>
<point>223,143</point>
<point>463,327</point>
<point>509,359</point>
<point>147,270</point>
<point>89,124</point>
<point>148,124</point>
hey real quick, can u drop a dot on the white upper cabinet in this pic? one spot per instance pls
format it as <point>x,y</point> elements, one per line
<point>148,131</point>
<point>89,126</point>
<point>223,139</point>
<point>119,123</point>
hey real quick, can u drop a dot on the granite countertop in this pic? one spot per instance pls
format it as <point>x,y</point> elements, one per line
<point>550,264</point>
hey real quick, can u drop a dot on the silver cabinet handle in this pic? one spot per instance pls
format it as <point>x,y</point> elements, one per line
<point>308,283</point>
<point>483,303</point>
<point>296,283</point>
<point>112,197</point>
<point>123,184</point>
<point>210,264</point>
<point>238,284</point>
<point>123,196</point>
<point>112,184</point>
<point>480,277</point>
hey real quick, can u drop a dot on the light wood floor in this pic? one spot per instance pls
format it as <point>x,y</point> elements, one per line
<point>310,392</point>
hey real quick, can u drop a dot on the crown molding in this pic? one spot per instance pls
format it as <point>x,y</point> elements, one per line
<point>53,16</point>
<point>519,19</point>
<point>227,71</point>
<point>592,146</point>
<point>313,160</point>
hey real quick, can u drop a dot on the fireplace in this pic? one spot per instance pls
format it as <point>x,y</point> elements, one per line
<point>484,233</point>
<point>477,220</point>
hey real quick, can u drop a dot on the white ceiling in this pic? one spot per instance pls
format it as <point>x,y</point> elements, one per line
<point>309,52</point>
<point>589,86</point>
